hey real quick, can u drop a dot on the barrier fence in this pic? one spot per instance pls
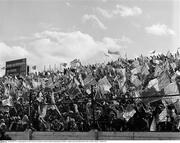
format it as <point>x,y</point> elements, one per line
<point>94,135</point>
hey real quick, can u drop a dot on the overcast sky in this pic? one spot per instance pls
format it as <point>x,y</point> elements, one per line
<point>55,31</point>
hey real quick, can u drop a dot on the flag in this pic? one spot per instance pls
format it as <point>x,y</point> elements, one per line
<point>36,84</point>
<point>106,55</point>
<point>7,102</point>
<point>177,106</point>
<point>40,98</point>
<point>135,63</point>
<point>129,113</point>
<point>158,71</point>
<point>136,70</point>
<point>153,125</point>
<point>75,63</point>
<point>177,56</point>
<point>171,89</point>
<point>63,64</point>
<point>145,69</point>
<point>34,67</point>
<point>104,85</point>
<point>113,52</point>
<point>3,68</point>
<point>152,52</point>
<point>154,83</point>
<point>173,65</point>
<point>148,95</point>
<point>168,54</point>
<point>42,111</point>
<point>163,80</point>
<point>163,116</point>
<point>89,80</point>
<point>135,81</point>
<point>81,79</point>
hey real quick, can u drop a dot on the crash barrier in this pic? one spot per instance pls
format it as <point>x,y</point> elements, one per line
<point>94,135</point>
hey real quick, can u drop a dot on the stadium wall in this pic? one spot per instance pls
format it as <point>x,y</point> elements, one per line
<point>94,135</point>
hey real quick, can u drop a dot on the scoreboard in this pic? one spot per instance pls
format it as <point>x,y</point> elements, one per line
<point>16,67</point>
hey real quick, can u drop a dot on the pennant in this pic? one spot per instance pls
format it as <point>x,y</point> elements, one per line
<point>153,125</point>
<point>154,83</point>
<point>163,116</point>
<point>171,89</point>
<point>104,85</point>
<point>163,80</point>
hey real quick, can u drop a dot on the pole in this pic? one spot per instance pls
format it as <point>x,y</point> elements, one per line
<point>30,101</point>
<point>92,98</point>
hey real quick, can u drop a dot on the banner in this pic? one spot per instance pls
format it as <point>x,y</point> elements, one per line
<point>104,85</point>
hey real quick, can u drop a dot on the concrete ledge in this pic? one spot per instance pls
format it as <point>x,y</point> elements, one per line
<point>19,135</point>
<point>64,135</point>
<point>94,135</point>
<point>115,135</point>
<point>156,135</point>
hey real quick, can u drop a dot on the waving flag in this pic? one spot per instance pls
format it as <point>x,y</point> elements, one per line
<point>177,106</point>
<point>163,80</point>
<point>135,81</point>
<point>104,85</point>
<point>7,102</point>
<point>158,71</point>
<point>171,89</point>
<point>163,116</point>
<point>89,80</point>
<point>153,125</point>
<point>136,70</point>
<point>145,69</point>
<point>129,113</point>
<point>75,63</point>
<point>154,83</point>
<point>42,111</point>
<point>113,52</point>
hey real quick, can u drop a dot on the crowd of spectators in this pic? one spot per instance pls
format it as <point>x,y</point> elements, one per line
<point>139,94</point>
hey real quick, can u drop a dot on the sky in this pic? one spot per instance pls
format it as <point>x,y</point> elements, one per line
<point>55,31</point>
